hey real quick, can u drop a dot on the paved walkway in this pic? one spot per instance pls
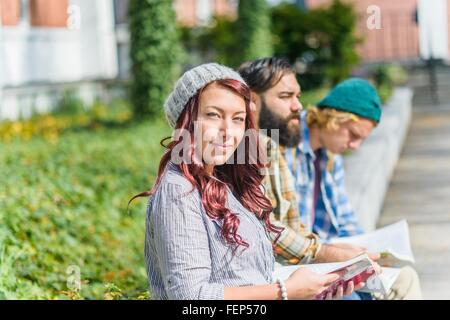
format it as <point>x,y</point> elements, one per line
<point>420,192</point>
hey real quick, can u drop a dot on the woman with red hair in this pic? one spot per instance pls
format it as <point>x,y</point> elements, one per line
<point>207,226</point>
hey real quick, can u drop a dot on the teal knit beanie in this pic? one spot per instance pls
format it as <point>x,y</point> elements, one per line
<point>355,96</point>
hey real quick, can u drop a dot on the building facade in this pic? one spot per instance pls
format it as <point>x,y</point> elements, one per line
<point>47,45</point>
<point>50,46</point>
<point>408,29</point>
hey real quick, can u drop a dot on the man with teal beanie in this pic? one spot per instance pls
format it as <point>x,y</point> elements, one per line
<point>355,96</point>
<point>339,123</point>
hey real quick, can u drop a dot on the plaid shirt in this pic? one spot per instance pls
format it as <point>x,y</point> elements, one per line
<point>334,216</point>
<point>295,245</point>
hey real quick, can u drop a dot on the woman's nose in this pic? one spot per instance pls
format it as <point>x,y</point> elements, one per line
<point>224,125</point>
<point>225,128</point>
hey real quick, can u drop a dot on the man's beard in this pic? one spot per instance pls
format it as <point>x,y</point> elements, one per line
<point>288,137</point>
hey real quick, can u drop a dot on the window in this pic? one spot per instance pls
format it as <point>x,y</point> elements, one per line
<point>10,12</point>
<point>48,13</point>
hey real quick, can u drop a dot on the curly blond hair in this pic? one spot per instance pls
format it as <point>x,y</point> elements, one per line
<point>328,118</point>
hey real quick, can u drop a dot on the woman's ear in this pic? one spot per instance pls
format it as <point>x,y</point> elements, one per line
<point>255,103</point>
<point>255,106</point>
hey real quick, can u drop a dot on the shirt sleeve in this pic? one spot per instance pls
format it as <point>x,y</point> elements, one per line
<point>295,247</point>
<point>347,221</point>
<point>182,247</point>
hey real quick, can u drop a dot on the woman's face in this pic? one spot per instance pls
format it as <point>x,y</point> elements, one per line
<point>221,119</point>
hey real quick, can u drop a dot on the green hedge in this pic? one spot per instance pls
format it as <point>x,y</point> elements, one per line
<point>322,40</point>
<point>63,202</point>
<point>253,36</point>
<point>232,42</point>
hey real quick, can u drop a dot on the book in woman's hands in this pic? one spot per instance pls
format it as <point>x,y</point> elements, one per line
<point>359,269</point>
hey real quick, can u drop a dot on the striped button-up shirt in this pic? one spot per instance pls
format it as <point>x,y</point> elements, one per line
<point>185,254</point>
<point>334,215</point>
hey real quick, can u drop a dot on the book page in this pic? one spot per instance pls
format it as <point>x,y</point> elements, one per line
<point>391,241</point>
<point>283,272</point>
<point>383,282</point>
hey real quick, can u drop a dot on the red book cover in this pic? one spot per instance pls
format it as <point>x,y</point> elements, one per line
<point>357,272</point>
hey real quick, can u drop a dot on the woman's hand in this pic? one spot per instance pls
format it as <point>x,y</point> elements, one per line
<point>305,284</point>
<point>340,291</point>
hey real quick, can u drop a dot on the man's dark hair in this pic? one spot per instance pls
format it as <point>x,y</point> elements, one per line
<point>265,73</point>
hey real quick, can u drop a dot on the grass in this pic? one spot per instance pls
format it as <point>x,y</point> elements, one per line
<point>63,203</point>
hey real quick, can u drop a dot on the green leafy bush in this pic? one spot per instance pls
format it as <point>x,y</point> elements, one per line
<point>216,42</point>
<point>254,38</point>
<point>230,41</point>
<point>72,114</point>
<point>64,203</point>
<point>321,42</point>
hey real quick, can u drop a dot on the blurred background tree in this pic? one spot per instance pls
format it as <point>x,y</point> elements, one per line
<point>254,35</point>
<point>232,41</point>
<point>321,42</point>
<point>215,42</point>
<point>155,54</point>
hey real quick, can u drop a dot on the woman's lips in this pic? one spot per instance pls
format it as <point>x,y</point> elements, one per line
<point>222,146</point>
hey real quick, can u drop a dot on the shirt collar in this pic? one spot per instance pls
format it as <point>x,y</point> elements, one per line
<point>304,146</point>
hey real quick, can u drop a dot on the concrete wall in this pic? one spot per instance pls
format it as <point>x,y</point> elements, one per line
<point>369,170</point>
<point>39,57</point>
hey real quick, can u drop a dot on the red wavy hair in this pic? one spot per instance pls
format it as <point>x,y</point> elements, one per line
<point>244,180</point>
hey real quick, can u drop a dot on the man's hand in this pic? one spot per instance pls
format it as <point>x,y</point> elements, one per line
<point>342,252</point>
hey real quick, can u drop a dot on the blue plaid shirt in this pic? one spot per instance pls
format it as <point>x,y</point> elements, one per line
<point>334,215</point>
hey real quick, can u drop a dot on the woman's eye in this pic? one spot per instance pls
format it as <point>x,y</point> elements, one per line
<point>212,115</point>
<point>240,119</point>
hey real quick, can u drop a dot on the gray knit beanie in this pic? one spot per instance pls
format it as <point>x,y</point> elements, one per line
<point>190,82</point>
